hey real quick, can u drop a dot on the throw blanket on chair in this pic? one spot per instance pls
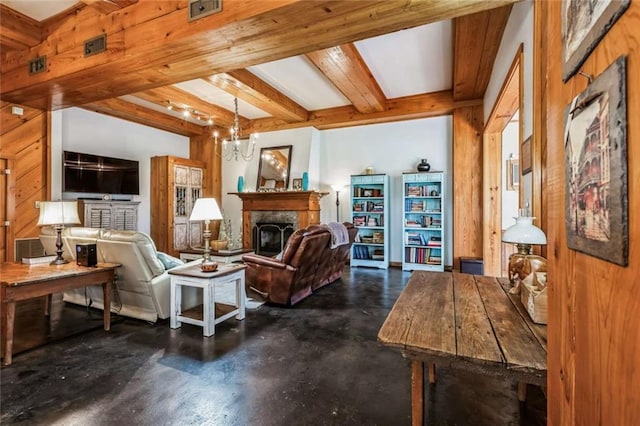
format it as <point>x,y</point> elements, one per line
<point>339,234</point>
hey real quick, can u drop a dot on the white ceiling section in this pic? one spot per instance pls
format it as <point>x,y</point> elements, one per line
<point>39,9</point>
<point>301,81</point>
<point>413,61</point>
<point>209,93</point>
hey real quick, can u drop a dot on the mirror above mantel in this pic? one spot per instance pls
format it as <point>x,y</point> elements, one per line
<point>274,167</point>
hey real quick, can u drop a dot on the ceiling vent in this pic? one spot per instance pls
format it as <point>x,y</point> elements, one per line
<point>201,8</point>
<point>95,45</point>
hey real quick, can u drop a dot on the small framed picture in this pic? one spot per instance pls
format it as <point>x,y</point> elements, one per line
<point>525,156</point>
<point>297,185</point>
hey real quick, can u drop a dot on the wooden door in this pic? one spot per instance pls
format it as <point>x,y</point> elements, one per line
<point>7,198</point>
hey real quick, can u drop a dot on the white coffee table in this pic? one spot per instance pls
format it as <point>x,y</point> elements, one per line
<point>210,313</point>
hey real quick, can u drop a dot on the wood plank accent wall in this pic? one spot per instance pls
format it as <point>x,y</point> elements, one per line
<point>594,326</point>
<point>24,138</point>
<point>467,183</point>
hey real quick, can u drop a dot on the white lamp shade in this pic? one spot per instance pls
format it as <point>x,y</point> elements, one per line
<point>524,232</point>
<point>58,213</point>
<point>205,209</point>
<point>337,187</point>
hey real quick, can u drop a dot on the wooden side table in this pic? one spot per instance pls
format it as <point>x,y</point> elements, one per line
<point>209,313</point>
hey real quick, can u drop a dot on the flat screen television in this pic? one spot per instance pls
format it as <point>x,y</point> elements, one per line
<point>97,174</point>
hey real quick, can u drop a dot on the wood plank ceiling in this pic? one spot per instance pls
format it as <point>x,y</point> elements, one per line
<point>152,46</point>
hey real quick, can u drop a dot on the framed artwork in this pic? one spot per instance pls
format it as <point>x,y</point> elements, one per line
<point>525,156</point>
<point>513,174</point>
<point>596,198</point>
<point>297,185</point>
<point>584,23</point>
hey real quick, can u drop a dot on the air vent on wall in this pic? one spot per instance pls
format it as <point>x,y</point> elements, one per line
<point>37,65</point>
<point>201,8</point>
<point>95,45</point>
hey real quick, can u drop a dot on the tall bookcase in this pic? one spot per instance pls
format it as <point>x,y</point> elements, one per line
<point>370,214</point>
<point>423,219</point>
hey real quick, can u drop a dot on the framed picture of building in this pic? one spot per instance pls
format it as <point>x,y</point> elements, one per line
<point>596,195</point>
<point>584,24</point>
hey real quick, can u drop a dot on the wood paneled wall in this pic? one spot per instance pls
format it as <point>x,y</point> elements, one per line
<point>594,325</point>
<point>202,148</point>
<point>467,183</point>
<point>24,138</point>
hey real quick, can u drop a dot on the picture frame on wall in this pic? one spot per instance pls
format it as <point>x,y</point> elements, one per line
<point>296,185</point>
<point>584,24</point>
<point>513,174</point>
<point>596,189</point>
<point>525,156</point>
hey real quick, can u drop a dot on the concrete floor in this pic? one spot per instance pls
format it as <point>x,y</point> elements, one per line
<point>315,364</point>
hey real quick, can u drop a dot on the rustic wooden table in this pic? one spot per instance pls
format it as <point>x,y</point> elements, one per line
<point>21,282</point>
<point>464,321</point>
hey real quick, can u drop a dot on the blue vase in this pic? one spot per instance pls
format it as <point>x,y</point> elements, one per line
<point>240,183</point>
<point>305,181</point>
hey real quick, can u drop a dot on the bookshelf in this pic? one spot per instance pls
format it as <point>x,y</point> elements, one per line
<point>423,221</point>
<point>370,214</point>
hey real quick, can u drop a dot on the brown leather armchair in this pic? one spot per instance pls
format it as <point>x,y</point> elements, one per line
<point>308,262</point>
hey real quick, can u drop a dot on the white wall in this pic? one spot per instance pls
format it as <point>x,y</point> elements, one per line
<point>519,30</point>
<point>76,129</point>
<point>510,144</point>
<point>391,148</point>
<point>304,158</point>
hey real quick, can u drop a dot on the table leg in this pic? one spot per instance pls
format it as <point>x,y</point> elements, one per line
<point>522,391</point>
<point>175,304</point>
<point>432,373</point>
<point>6,328</point>
<point>106,312</point>
<point>241,298</point>
<point>417,393</point>
<point>209,309</point>
<point>47,305</point>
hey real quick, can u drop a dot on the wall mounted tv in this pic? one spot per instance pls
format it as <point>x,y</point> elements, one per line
<point>99,175</point>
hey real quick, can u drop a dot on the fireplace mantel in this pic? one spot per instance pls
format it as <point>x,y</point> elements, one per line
<point>305,203</point>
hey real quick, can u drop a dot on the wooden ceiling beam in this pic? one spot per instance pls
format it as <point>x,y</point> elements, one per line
<point>18,31</point>
<point>138,114</point>
<point>476,39</point>
<point>246,86</point>
<point>346,69</point>
<point>163,95</point>
<point>397,109</point>
<point>152,44</point>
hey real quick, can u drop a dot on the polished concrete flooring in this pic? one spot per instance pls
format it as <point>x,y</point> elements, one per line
<point>315,364</point>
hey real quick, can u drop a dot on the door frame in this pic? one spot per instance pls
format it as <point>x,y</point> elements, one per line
<point>9,205</point>
<point>509,100</point>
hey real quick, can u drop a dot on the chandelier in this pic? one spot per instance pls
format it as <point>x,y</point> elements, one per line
<point>234,147</point>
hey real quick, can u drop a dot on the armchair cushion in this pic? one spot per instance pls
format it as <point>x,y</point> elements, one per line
<point>168,261</point>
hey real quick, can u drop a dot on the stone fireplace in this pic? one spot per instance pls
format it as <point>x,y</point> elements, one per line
<point>293,209</point>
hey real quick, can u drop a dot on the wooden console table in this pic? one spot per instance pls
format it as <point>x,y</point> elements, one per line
<point>467,322</point>
<point>21,282</point>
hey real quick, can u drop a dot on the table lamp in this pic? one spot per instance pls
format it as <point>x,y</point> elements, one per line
<point>337,187</point>
<point>523,234</point>
<point>206,209</point>
<point>58,214</point>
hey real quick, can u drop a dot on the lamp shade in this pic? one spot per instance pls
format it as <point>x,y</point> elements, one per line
<point>205,209</point>
<point>524,232</point>
<point>337,187</point>
<point>58,213</point>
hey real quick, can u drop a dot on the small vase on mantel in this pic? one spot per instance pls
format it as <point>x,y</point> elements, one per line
<point>423,166</point>
<point>305,181</point>
<point>240,183</point>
